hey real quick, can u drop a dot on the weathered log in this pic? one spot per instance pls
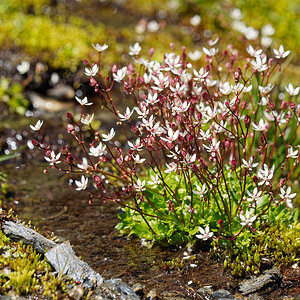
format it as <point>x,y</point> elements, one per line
<point>19,232</point>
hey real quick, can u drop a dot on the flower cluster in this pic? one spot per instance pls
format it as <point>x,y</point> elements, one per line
<point>221,132</point>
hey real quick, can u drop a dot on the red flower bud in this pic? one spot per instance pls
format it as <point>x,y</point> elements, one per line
<point>292,105</point>
<point>220,222</point>
<point>35,143</point>
<point>247,121</point>
<point>205,96</point>
<point>69,115</point>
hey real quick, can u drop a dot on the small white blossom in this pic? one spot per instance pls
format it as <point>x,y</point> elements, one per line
<point>155,180</point>
<point>100,48</point>
<point>246,220</point>
<point>37,126</point>
<point>126,115</point>
<point>109,136</point>
<point>267,30</point>
<point>259,64</point>
<point>97,151</point>
<point>249,164</point>
<point>136,146</point>
<point>253,52</point>
<point>87,119</point>
<point>260,127</point>
<point>196,55</point>
<point>53,159</point>
<point>81,185</point>
<point>135,50</point>
<point>23,67</point>
<point>195,20</point>
<point>280,53</point>
<point>138,160</point>
<point>291,90</point>
<point>91,72</point>
<point>210,52</point>
<point>255,196</point>
<point>200,190</point>
<point>287,196</point>
<point>205,234</point>
<point>171,167</point>
<point>84,101</point>
<point>140,185</point>
<point>225,89</point>
<point>120,74</point>
<point>265,175</point>
<point>84,165</point>
<point>292,153</point>
<point>212,43</point>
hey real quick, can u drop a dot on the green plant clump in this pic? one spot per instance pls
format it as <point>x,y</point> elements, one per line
<point>25,272</point>
<point>12,95</point>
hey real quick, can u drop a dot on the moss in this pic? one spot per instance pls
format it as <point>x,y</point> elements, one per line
<point>277,245</point>
<point>24,272</point>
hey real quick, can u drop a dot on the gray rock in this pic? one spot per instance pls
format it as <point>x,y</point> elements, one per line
<point>255,297</point>
<point>222,295</point>
<point>262,282</point>
<point>64,260</point>
<point>114,289</point>
<point>61,92</point>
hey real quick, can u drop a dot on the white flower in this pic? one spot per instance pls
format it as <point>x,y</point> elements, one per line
<point>260,127</point>
<point>195,55</point>
<point>152,99</point>
<point>267,89</point>
<point>91,72</point>
<point>280,53</point>
<point>213,147</point>
<point>287,196</point>
<point>172,136</point>
<point>138,160</point>
<point>226,89</point>
<point>100,48</point>
<point>53,159</point>
<point>211,42</point>
<point>152,26</point>
<point>120,74</point>
<point>81,185</point>
<point>87,119</point>
<point>135,50</point>
<point>84,101</point>
<point>292,154</point>
<point>259,64</point>
<point>37,126</point>
<point>255,195</point>
<point>140,185</point>
<point>265,175</point>
<point>249,164</point>
<point>97,151</point>
<point>200,190</point>
<point>246,220</point>
<point>195,20</point>
<point>84,165</point>
<point>108,137</point>
<point>126,115</point>
<point>210,52</point>
<point>23,67</point>
<point>136,146</point>
<point>171,167</point>
<point>205,234</point>
<point>267,30</point>
<point>291,90</point>
<point>155,180</point>
<point>253,52</point>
